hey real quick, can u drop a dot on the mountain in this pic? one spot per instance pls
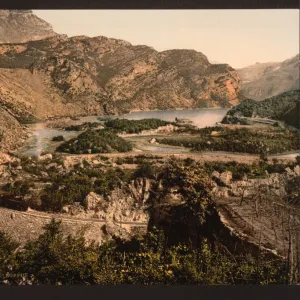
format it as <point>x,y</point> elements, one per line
<point>284,107</point>
<point>19,26</point>
<point>58,75</point>
<point>264,80</point>
<point>82,75</point>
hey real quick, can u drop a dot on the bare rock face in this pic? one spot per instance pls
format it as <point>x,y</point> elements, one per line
<point>11,132</point>
<point>264,80</point>
<point>274,184</point>
<point>223,178</point>
<point>94,201</point>
<point>20,26</point>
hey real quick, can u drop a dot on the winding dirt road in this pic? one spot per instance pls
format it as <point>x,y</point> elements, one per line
<point>199,156</point>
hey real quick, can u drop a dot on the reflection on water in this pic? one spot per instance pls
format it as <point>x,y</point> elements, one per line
<point>42,138</point>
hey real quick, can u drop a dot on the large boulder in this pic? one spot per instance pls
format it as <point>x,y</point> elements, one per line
<point>45,157</point>
<point>94,201</point>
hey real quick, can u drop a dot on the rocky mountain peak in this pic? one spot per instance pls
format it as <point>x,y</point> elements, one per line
<point>20,26</point>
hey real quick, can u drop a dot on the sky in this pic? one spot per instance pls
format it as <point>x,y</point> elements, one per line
<point>237,37</point>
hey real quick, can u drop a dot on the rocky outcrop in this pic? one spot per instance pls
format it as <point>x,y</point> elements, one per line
<point>273,184</point>
<point>264,80</point>
<point>20,26</point>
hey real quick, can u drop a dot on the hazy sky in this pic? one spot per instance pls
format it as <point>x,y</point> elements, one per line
<point>237,37</point>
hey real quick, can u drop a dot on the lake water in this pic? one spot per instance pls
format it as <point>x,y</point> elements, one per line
<point>42,139</point>
<point>201,117</point>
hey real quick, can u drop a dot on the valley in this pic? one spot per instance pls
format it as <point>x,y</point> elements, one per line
<point>121,164</point>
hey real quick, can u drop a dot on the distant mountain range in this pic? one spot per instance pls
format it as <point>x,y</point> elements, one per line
<point>264,80</point>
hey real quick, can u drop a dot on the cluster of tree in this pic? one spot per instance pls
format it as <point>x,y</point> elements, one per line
<point>58,138</point>
<point>134,126</point>
<point>240,140</point>
<point>257,169</point>
<point>18,188</point>
<point>95,141</point>
<point>283,107</point>
<point>83,127</point>
<point>76,185</point>
<point>55,259</point>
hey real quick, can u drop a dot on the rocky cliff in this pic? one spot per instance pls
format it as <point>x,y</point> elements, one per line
<point>264,80</point>
<point>19,26</point>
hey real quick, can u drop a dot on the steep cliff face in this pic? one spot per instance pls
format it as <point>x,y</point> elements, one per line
<point>19,26</point>
<point>264,80</point>
<point>84,75</point>
<point>11,132</point>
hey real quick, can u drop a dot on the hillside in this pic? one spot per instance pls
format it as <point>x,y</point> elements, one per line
<point>284,107</point>
<point>264,80</point>
<point>82,75</point>
<point>19,26</point>
<point>11,132</point>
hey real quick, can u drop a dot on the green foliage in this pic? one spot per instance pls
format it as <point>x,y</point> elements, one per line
<point>65,189</point>
<point>55,259</point>
<point>18,188</point>
<point>83,127</point>
<point>134,126</point>
<point>284,107</point>
<point>145,169</point>
<point>7,248</point>
<point>192,182</point>
<point>239,140</point>
<point>95,141</point>
<point>58,138</point>
<point>75,186</point>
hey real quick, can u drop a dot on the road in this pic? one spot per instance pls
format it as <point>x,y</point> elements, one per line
<point>203,156</point>
<point>70,219</point>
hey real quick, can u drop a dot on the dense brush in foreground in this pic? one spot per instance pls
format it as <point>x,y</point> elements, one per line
<point>51,258</point>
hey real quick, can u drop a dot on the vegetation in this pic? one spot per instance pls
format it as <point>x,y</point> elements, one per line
<point>284,107</point>
<point>55,259</point>
<point>75,186</point>
<point>95,141</point>
<point>18,188</point>
<point>256,170</point>
<point>134,126</point>
<point>58,138</point>
<point>83,127</point>
<point>239,140</point>
<point>65,190</point>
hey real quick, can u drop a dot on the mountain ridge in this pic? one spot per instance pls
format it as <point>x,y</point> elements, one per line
<point>265,80</point>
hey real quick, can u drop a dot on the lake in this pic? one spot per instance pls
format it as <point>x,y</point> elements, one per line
<point>41,140</point>
<point>201,117</point>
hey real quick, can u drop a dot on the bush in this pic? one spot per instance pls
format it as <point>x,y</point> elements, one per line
<point>95,141</point>
<point>58,138</point>
<point>134,126</point>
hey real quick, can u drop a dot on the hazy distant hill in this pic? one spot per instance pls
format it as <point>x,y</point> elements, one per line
<point>264,80</point>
